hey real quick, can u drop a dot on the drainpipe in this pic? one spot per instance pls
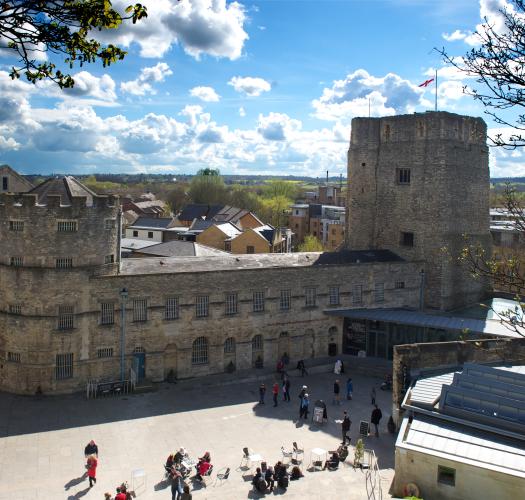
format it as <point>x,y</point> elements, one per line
<point>422,290</point>
<point>123,297</point>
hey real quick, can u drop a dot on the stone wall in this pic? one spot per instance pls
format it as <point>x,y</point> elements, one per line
<point>446,196</point>
<point>33,335</point>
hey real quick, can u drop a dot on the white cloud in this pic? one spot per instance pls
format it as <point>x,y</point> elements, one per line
<point>251,86</point>
<point>242,112</point>
<point>360,93</point>
<point>456,35</point>
<point>206,94</point>
<point>142,85</point>
<point>212,27</point>
<point>277,126</point>
<point>8,143</point>
<point>87,84</point>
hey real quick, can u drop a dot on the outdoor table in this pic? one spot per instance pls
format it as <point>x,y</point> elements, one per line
<point>317,455</point>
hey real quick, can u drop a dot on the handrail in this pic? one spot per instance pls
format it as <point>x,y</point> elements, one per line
<point>373,477</point>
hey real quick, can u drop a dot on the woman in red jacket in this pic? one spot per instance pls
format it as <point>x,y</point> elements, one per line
<point>92,463</point>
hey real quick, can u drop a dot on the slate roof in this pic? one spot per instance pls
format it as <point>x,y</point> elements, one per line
<point>198,211</point>
<point>152,222</point>
<point>66,187</point>
<point>179,248</point>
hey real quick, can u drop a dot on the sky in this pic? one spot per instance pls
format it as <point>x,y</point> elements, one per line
<point>248,87</point>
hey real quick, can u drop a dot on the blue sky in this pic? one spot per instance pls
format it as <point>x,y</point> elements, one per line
<point>247,87</point>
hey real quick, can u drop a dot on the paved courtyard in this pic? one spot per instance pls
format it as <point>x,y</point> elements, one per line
<point>42,440</point>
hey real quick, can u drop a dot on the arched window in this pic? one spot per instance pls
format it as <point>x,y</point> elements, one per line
<point>257,343</point>
<point>199,353</point>
<point>229,345</point>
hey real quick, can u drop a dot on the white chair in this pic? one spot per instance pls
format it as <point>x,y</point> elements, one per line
<point>138,479</point>
<point>286,454</point>
<point>297,451</point>
<point>250,458</point>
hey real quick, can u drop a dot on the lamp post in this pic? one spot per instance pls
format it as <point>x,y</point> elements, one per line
<point>123,297</point>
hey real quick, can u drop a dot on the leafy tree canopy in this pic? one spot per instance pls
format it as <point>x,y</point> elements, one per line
<point>310,244</point>
<point>30,27</point>
<point>208,187</point>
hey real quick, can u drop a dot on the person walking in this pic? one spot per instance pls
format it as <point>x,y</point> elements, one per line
<point>375,418</point>
<point>373,395</point>
<point>349,388</point>
<point>300,366</point>
<point>345,427</point>
<point>286,389</point>
<point>337,390</point>
<point>176,485</point>
<point>92,463</point>
<point>275,392</point>
<point>305,402</point>
<point>262,392</point>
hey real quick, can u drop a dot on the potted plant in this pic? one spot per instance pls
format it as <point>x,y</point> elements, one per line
<point>359,453</point>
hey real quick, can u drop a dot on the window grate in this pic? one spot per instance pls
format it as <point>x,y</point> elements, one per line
<point>16,225</point>
<point>403,175</point>
<point>258,301</point>
<point>109,259</point>
<point>399,284</point>
<point>17,261</point>
<point>231,304</point>
<point>105,352</point>
<point>13,357</point>
<point>257,343</point>
<point>310,297</point>
<point>171,310</point>
<point>67,226</point>
<point>357,294</point>
<point>202,306</point>
<point>199,352</point>
<point>229,345</point>
<point>285,301</point>
<point>64,263</point>
<point>109,223</point>
<point>379,292</point>
<point>140,310</point>
<point>65,317</point>
<point>107,313</point>
<point>64,366</point>
<point>15,309</point>
<point>333,293</point>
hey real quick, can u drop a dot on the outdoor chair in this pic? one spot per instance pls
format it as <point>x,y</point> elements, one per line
<point>286,453</point>
<point>223,475</point>
<point>249,458</point>
<point>297,451</point>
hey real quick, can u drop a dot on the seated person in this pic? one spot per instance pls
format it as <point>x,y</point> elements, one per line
<point>296,473</point>
<point>279,470</point>
<point>333,461</point>
<point>170,461</point>
<point>206,457</point>
<point>258,481</point>
<point>179,456</point>
<point>202,469</point>
<point>342,451</point>
<point>269,477</point>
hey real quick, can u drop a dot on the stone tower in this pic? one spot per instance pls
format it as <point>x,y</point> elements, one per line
<point>418,184</point>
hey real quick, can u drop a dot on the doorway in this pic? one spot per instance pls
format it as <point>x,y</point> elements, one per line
<point>139,362</point>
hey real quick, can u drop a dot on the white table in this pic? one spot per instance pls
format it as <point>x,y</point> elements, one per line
<point>318,455</point>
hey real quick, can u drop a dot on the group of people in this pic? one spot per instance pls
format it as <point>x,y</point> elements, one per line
<point>266,476</point>
<point>336,457</point>
<point>177,471</point>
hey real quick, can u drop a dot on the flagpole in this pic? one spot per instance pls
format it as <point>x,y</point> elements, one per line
<point>436,82</point>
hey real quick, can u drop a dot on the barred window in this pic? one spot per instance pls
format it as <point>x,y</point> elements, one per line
<point>140,310</point>
<point>201,306</point>
<point>16,225</point>
<point>64,366</point>
<point>285,301</point>
<point>333,293</point>
<point>66,226</point>
<point>13,357</point>
<point>310,297</point>
<point>379,292</point>
<point>357,294</point>
<point>257,343</point>
<point>17,261</point>
<point>109,259</point>
<point>231,304</point>
<point>403,175</point>
<point>64,263</point>
<point>109,223</point>
<point>105,352</point>
<point>199,352</point>
<point>229,345</point>
<point>107,313</point>
<point>171,310</point>
<point>258,301</point>
<point>65,317</point>
<point>15,308</point>
<point>399,284</point>
<point>135,234</point>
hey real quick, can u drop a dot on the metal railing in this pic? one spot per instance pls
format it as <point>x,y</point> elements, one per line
<point>373,477</point>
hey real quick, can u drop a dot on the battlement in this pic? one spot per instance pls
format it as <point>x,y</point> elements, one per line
<point>54,201</point>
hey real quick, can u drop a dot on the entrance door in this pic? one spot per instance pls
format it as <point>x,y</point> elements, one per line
<point>139,363</point>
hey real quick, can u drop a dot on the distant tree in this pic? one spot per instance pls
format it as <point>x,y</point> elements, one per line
<point>498,64</point>
<point>310,244</point>
<point>243,197</point>
<point>208,187</point>
<point>274,210</point>
<point>275,188</point>
<point>29,27</point>
<point>177,198</point>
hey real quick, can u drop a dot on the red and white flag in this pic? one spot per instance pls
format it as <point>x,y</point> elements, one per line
<point>426,83</point>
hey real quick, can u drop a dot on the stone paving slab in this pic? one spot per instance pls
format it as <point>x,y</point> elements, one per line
<point>42,440</point>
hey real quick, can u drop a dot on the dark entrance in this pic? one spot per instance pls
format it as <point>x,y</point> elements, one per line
<point>139,364</point>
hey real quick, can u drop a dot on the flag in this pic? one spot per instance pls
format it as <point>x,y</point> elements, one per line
<point>426,83</point>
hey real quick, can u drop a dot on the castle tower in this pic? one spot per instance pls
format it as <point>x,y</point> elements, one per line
<point>59,224</point>
<point>418,184</point>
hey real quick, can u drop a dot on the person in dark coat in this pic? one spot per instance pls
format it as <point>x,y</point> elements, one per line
<point>345,427</point>
<point>375,418</point>
<point>262,392</point>
<point>300,366</point>
<point>337,390</point>
<point>269,478</point>
<point>91,449</point>
<point>305,402</point>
